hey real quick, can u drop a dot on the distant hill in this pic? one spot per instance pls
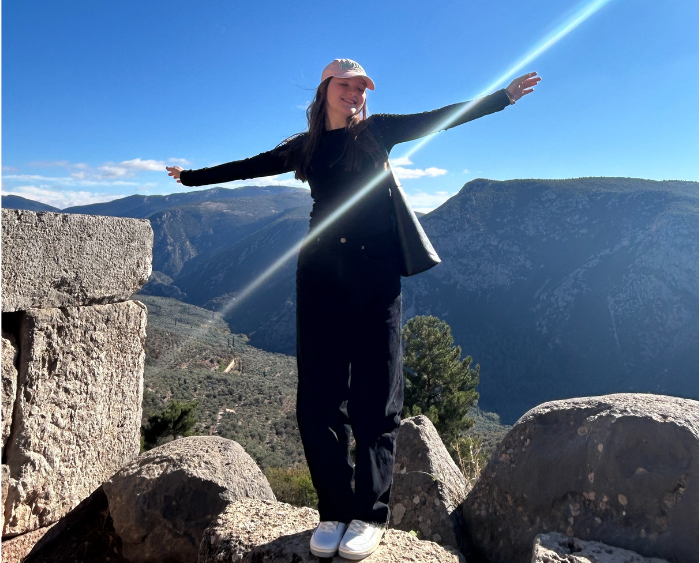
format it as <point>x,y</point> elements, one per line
<point>143,206</point>
<point>564,288</point>
<point>18,202</point>
<point>267,316</point>
<point>200,230</point>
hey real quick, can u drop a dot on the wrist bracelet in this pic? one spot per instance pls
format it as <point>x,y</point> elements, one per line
<point>512,101</point>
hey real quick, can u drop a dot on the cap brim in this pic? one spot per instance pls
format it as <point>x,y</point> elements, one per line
<point>350,74</point>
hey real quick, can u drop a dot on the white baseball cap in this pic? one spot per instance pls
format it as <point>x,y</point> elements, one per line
<point>346,68</point>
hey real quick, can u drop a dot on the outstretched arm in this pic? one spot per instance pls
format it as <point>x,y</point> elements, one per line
<point>401,128</point>
<point>265,164</point>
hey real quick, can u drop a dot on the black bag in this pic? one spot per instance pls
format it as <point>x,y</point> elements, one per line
<point>416,253</point>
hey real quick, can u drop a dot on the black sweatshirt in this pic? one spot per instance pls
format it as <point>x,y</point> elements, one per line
<point>331,184</point>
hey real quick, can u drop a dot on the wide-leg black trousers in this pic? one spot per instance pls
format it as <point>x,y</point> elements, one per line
<point>350,371</point>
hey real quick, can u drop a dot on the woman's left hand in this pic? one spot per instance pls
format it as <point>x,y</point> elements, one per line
<point>522,85</point>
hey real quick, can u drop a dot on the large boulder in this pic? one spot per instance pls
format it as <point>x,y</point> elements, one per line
<point>60,260</point>
<point>78,409</point>
<point>256,531</point>
<point>162,502</point>
<point>558,548</point>
<point>9,382</point>
<point>428,487</point>
<point>620,469</point>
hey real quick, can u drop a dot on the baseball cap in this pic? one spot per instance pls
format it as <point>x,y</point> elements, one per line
<point>346,68</point>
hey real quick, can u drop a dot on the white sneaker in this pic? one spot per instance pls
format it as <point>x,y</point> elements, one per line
<point>361,539</point>
<point>326,538</point>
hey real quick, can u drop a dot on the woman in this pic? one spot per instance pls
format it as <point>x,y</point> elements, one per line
<point>349,294</point>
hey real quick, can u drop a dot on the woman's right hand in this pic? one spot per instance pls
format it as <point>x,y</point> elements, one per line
<point>174,171</point>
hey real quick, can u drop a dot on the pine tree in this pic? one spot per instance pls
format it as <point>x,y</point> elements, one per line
<point>177,419</point>
<point>438,384</point>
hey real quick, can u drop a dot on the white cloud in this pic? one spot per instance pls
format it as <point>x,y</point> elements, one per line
<point>410,173</point>
<point>269,181</point>
<point>138,164</point>
<point>425,202</point>
<point>9,169</point>
<point>466,171</point>
<point>128,167</point>
<point>113,171</point>
<point>60,198</point>
<point>401,161</point>
<point>178,161</point>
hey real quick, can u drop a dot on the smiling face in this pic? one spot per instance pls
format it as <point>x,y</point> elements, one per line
<point>345,97</point>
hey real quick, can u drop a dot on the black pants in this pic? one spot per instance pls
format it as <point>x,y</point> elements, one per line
<point>350,371</point>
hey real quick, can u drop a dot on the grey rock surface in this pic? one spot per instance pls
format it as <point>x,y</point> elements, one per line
<point>558,548</point>
<point>9,382</point>
<point>60,260</point>
<point>257,531</point>
<point>620,469</point>
<point>428,486</point>
<point>162,502</point>
<point>16,549</point>
<point>78,410</point>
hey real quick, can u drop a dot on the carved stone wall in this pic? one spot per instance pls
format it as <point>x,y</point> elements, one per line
<point>73,358</point>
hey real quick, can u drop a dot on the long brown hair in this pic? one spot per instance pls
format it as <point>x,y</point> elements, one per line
<point>301,147</point>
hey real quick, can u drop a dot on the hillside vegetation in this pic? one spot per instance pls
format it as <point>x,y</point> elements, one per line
<point>187,350</point>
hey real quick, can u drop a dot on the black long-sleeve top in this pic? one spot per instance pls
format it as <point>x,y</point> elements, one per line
<point>331,184</point>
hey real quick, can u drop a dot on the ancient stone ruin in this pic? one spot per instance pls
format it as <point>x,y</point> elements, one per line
<point>610,479</point>
<point>72,351</point>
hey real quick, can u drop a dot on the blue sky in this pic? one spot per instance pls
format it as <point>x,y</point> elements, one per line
<point>97,97</point>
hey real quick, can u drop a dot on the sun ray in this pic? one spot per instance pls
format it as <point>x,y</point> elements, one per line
<point>585,11</point>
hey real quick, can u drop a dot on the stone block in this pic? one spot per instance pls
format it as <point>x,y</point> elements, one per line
<point>618,469</point>
<point>61,260</point>
<point>162,502</point>
<point>78,409</point>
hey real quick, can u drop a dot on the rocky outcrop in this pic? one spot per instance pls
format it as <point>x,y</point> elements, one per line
<point>60,260</point>
<point>251,531</point>
<point>78,414</point>
<point>558,548</point>
<point>428,486</point>
<point>9,382</point>
<point>620,469</point>
<point>162,502</point>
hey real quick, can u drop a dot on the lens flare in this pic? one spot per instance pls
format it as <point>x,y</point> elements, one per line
<point>585,11</point>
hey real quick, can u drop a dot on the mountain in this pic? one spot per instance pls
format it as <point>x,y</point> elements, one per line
<point>143,206</point>
<point>564,288</point>
<point>202,229</point>
<point>557,288</point>
<point>17,202</point>
<point>267,316</point>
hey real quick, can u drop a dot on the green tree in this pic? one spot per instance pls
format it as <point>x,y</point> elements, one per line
<point>177,419</point>
<point>438,384</point>
<point>292,485</point>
